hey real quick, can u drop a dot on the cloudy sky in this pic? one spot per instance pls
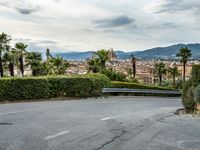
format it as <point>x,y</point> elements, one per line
<point>81,25</point>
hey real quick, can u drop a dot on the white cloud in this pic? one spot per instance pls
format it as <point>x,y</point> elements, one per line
<point>94,24</point>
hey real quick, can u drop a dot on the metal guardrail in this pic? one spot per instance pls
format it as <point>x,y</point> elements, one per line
<point>140,91</point>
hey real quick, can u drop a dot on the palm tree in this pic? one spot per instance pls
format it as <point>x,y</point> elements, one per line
<point>4,46</point>
<point>160,70</point>
<point>94,65</point>
<point>33,60</point>
<point>133,65</point>
<point>184,54</point>
<point>21,48</point>
<point>103,57</point>
<point>58,65</point>
<point>173,71</point>
<point>9,59</point>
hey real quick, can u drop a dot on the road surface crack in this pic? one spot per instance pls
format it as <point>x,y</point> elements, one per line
<point>112,140</point>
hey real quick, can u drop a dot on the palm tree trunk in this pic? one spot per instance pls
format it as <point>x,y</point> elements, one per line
<point>11,69</point>
<point>21,67</point>
<point>160,79</point>
<point>34,72</point>
<point>1,66</point>
<point>184,64</point>
<point>174,80</point>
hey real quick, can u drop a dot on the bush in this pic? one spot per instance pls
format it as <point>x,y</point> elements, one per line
<point>48,87</point>
<point>197,94</point>
<point>23,88</point>
<point>117,84</point>
<point>196,75</point>
<point>103,78</point>
<point>188,96</point>
<point>113,75</point>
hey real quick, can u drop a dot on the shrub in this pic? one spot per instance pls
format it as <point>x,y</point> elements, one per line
<point>117,84</point>
<point>197,94</point>
<point>188,96</point>
<point>113,75</point>
<point>23,88</point>
<point>51,86</point>
<point>103,78</point>
<point>196,75</point>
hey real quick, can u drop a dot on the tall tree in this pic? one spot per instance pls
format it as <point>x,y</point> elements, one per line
<point>184,54</point>
<point>173,71</point>
<point>4,46</point>
<point>94,65</point>
<point>103,57</point>
<point>58,65</point>
<point>9,60</point>
<point>133,65</point>
<point>33,60</point>
<point>21,48</point>
<point>160,70</point>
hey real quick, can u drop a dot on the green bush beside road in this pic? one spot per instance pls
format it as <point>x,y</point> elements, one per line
<point>52,86</point>
<point>191,91</point>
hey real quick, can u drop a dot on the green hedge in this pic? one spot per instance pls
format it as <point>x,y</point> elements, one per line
<point>188,96</point>
<point>49,87</point>
<point>117,84</point>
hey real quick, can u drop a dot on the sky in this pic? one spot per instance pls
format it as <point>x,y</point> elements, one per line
<point>82,25</point>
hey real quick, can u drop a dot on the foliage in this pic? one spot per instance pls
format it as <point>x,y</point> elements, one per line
<point>160,70</point>
<point>51,86</point>
<point>173,72</point>
<point>184,54</point>
<point>188,96</point>
<point>57,65</point>
<point>23,88</point>
<point>33,60</point>
<point>94,65</point>
<point>4,46</point>
<point>116,84</point>
<point>196,75</point>
<point>113,75</point>
<point>21,51</point>
<point>189,87</point>
<point>9,61</point>
<point>197,94</point>
<point>102,55</point>
<point>104,79</point>
<point>179,84</point>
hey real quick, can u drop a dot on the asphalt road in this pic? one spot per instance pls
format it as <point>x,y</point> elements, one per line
<point>117,123</point>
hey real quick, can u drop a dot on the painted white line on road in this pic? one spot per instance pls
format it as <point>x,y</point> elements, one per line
<point>56,135</point>
<point>108,118</point>
<point>16,112</point>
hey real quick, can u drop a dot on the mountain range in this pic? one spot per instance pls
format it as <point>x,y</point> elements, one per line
<point>154,53</point>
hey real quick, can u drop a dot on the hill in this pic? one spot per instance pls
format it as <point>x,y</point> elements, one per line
<point>154,53</point>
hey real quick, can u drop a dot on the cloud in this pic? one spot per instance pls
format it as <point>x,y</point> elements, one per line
<point>27,11</point>
<point>116,21</point>
<point>173,6</point>
<point>21,6</point>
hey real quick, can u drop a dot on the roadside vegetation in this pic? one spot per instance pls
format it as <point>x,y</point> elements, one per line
<point>48,77</point>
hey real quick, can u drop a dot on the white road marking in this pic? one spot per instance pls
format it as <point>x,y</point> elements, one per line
<point>108,118</point>
<point>15,112</point>
<point>56,135</point>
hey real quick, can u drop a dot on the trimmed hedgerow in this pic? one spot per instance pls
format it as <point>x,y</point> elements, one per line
<point>103,78</point>
<point>117,84</point>
<point>48,87</point>
<point>23,88</point>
